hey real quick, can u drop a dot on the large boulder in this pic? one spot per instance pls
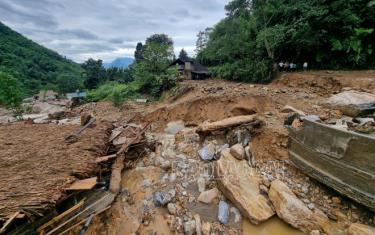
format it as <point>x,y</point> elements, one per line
<point>290,209</point>
<point>361,229</point>
<point>352,103</point>
<point>240,185</point>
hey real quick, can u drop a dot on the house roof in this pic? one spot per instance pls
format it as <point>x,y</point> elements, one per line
<point>198,68</point>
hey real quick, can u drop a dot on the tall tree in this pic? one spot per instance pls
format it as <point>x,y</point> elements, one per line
<point>138,54</point>
<point>152,73</point>
<point>202,39</point>
<point>183,54</point>
<point>94,71</point>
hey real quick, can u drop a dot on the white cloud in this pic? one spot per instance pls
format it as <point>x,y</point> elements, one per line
<point>109,29</point>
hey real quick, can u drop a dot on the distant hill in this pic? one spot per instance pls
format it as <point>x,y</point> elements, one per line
<point>121,62</point>
<point>35,66</point>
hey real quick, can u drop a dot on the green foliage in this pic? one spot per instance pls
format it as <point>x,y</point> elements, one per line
<point>94,73</point>
<point>68,83</point>
<point>10,91</point>
<point>153,74</point>
<point>33,65</point>
<point>255,34</point>
<point>122,75</point>
<point>113,91</point>
<point>183,54</point>
<point>138,52</point>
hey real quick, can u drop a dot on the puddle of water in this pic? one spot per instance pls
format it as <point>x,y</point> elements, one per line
<point>174,127</point>
<point>270,227</point>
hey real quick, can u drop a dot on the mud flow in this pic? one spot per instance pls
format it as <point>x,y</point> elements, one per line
<point>211,158</point>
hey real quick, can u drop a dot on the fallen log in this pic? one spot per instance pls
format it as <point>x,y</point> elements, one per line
<point>226,123</point>
<point>105,158</point>
<point>75,136</point>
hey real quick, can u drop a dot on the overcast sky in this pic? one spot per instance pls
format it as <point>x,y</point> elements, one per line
<point>106,29</point>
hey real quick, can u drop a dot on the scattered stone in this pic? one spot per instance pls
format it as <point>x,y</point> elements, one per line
<point>315,232</point>
<point>201,184</point>
<point>336,200</point>
<point>166,165</point>
<point>206,228</point>
<point>198,224</point>
<point>290,209</point>
<point>223,213</point>
<point>189,227</point>
<point>361,229</point>
<point>240,185</point>
<point>237,151</point>
<point>311,206</point>
<point>207,153</point>
<point>162,199</point>
<point>172,208</point>
<point>236,213</point>
<point>174,127</point>
<point>208,196</point>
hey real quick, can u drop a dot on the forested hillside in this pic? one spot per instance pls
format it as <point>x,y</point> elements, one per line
<point>35,66</point>
<point>329,34</point>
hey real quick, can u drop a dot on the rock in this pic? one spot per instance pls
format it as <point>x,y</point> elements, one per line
<point>198,224</point>
<point>236,213</point>
<point>162,199</point>
<point>165,165</point>
<point>311,206</point>
<point>240,185</point>
<point>315,232</point>
<point>237,151</point>
<point>290,209</point>
<point>174,127</point>
<point>353,103</point>
<point>208,196</point>
<point>172,208</point>
<point>206,228</point>
<point>361,229</point>
<point>201,184</point>
<point>207,153</point>
<point>223,213</point>
<point>189,227</point>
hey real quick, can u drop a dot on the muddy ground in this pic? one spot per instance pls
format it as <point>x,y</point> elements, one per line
<point>195,102</point>
<point>174,168</point>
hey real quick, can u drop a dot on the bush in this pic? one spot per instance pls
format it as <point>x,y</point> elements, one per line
<point>10,91</point>
<point>113,91</point>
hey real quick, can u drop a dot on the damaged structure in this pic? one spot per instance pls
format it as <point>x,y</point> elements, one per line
<point>191,69</point>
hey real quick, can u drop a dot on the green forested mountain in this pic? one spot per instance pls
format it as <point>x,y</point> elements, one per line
<point>328,34</point>
<point>35,66</point>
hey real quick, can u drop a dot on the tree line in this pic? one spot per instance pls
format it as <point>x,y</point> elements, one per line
<point>256,34</point>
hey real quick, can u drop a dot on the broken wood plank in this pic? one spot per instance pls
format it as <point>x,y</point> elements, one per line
<point>226,123</point>
<point>83,211</point>
<point>9,222</point>
<point>105,158</point>
<point>41,229</point>
<point>85,184</point>
<point>118,166</point>
<point>83,221</point>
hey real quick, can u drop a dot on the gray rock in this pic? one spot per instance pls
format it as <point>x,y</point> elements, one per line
<point>311,206</point>
<point>189,227</point>
<point>161,199</point>
<point>223,213</point>
<point>236,213</point>
<point>207,153</point>
<point>201,184</point>
<point>172,208</point>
